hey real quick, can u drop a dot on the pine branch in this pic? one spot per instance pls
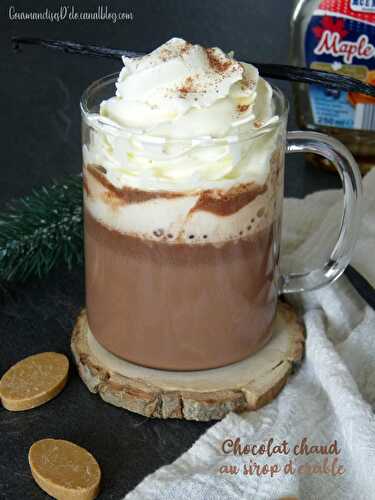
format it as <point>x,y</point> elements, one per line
<point>41,230</point>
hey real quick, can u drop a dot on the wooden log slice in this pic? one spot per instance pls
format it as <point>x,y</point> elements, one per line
<point>194,395</point>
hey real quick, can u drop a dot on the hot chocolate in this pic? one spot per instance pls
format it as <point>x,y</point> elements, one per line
<point>183,186</point>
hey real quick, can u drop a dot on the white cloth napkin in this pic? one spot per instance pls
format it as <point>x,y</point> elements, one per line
<point>329,398</point>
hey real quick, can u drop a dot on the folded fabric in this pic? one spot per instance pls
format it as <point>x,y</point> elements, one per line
<point>328,400</point>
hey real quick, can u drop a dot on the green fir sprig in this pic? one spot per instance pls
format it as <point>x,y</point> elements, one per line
<point>41,230</point>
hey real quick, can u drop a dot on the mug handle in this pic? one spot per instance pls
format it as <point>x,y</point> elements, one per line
<point>340,156</point>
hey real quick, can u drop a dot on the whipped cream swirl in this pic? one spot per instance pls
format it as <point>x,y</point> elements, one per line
<point>177,120</point>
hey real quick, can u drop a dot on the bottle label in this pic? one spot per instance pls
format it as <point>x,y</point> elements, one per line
<point>340,38</point>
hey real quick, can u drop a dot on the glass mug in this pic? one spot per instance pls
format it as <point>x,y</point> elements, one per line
<point>190,280</point>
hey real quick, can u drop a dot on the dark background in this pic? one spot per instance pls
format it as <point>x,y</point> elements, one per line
<point>40,141</point>
<point>40,89</point>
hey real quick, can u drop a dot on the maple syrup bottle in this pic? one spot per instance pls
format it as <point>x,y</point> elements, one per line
<point>337,36</point>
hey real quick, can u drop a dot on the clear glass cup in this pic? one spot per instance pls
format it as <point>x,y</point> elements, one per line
<point>189,280</point>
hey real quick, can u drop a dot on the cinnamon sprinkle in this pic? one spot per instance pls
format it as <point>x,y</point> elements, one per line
<point>246,83</point>
<point>187,87</point>
<point>166,54</point>
<point>186,48</point>
<point>243,107</point>
<point>216,63</point>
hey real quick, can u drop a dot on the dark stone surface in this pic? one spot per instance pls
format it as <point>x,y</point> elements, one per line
<point>39,317</point>
<point>40,125</point>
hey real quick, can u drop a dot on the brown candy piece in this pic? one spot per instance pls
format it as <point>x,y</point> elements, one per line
<point>34,381</point>
<point>64,470</point>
